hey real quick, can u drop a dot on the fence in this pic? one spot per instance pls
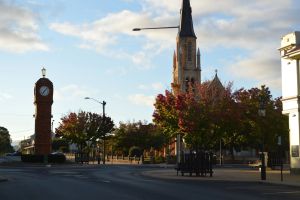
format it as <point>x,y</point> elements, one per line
<point>199,163</point>
<point>92,159</point>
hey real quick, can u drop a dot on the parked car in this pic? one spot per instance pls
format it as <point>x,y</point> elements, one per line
<point>17,153</point>
<point>57,153</point>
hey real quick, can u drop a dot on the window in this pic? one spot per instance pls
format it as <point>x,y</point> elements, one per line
<point>187,82</point>
<point>189,51</point>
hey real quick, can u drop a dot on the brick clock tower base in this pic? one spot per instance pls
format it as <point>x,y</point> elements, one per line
<point>43,100</point>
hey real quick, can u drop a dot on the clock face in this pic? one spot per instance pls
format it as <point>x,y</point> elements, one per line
<point>44,90</point>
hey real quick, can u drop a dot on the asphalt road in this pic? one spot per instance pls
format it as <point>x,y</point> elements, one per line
<point>125,182</point>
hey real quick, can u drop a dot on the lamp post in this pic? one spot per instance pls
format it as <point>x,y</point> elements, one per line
<point>262,113</point>
<point>103,103</point>
<point>178,138</point>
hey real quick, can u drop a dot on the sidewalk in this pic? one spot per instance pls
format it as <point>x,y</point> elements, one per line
<point>231,174</point>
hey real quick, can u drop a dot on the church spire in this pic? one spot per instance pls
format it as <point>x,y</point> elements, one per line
<point>198,59</point>
<point>174,60</point>
<point>186,21</point>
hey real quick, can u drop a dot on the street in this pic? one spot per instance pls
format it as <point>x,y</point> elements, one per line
<point>124,182</point>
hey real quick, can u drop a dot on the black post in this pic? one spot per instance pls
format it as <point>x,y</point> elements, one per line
<point>98,153</point>
<point>211,164</point>
<point>263,167</point>
<point>262,113</point>
<point>103,150</point>
<point>103,107</point>
<point>281,171</point>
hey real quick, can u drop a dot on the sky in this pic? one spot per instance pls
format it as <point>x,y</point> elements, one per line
<point>89,49</point>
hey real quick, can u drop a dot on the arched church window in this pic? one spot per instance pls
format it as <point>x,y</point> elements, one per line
<point>187,82</point>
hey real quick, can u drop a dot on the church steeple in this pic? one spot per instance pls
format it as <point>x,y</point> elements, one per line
<point>187,67</point>
<point>174,60</point>
<point>198,59</point>
<point>186,28</point>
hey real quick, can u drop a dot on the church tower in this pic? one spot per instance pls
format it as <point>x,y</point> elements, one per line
<point>186,60</point>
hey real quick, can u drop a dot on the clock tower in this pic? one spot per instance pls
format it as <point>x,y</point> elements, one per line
<point>43,100</point>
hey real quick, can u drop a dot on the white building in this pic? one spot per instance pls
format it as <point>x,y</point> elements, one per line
<point>290,56</point>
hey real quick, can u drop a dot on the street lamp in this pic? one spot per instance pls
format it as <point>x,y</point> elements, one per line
<point>163,27</point>
<point>44,72</point>
<point>262,113</point>
<point>178,138</point>
<point>103,103</point>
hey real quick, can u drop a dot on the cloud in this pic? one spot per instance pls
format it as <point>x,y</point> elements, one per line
<point>5,96</point>
<point>252,28</point>
<point>265,69</point>
<point>71,91</point>
<point>157,86</point>
<point>102,33</point>
<point>244,27</point>
<point>154,86</point>
<point>104,36</point>
<point>142,100</point>
<point>19,29</point>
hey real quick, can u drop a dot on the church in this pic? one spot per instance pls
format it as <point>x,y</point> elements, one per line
<point>187,65</point>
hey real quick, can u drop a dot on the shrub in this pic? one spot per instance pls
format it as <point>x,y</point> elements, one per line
<point>159,159</point>
<point>51,158</point>
<point>29,158</point>
<point>56,158</point>
<point>135,151</point>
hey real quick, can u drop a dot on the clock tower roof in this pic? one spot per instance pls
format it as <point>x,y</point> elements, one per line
<point>43,81</point>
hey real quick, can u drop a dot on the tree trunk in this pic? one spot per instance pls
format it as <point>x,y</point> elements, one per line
<point>232,152</point>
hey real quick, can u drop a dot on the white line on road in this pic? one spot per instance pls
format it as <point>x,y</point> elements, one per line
<point>288,192</point>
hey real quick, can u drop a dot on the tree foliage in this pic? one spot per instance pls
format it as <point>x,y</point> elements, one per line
<point>60,144</point>
<point>206,115</point>
<point>5,141</point>
<point>81,127</point>
<point>137,134</point>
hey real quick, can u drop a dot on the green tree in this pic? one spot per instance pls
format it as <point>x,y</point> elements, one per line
<point>166,115</point>
<point>5,141</point>
<point>205,115</point>
<point>73,128</point>
<point>98,126</point>
<point>60,144</point>
<point>83,127</point>
<point>262,130</point>
<point>142,135</point>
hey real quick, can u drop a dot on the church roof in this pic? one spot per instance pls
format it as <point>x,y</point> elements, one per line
<point>186,21</point>
<point>216,83</point>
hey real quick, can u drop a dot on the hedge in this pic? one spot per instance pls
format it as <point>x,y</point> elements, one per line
<point>51,158</point>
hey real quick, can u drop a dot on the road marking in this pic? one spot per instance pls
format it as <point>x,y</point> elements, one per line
<point>11,170</point>
<point>106,181</point>
<point>148,180</point>
<point>79,176</point>
<point>63,172</point>
<point>288,192</point>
